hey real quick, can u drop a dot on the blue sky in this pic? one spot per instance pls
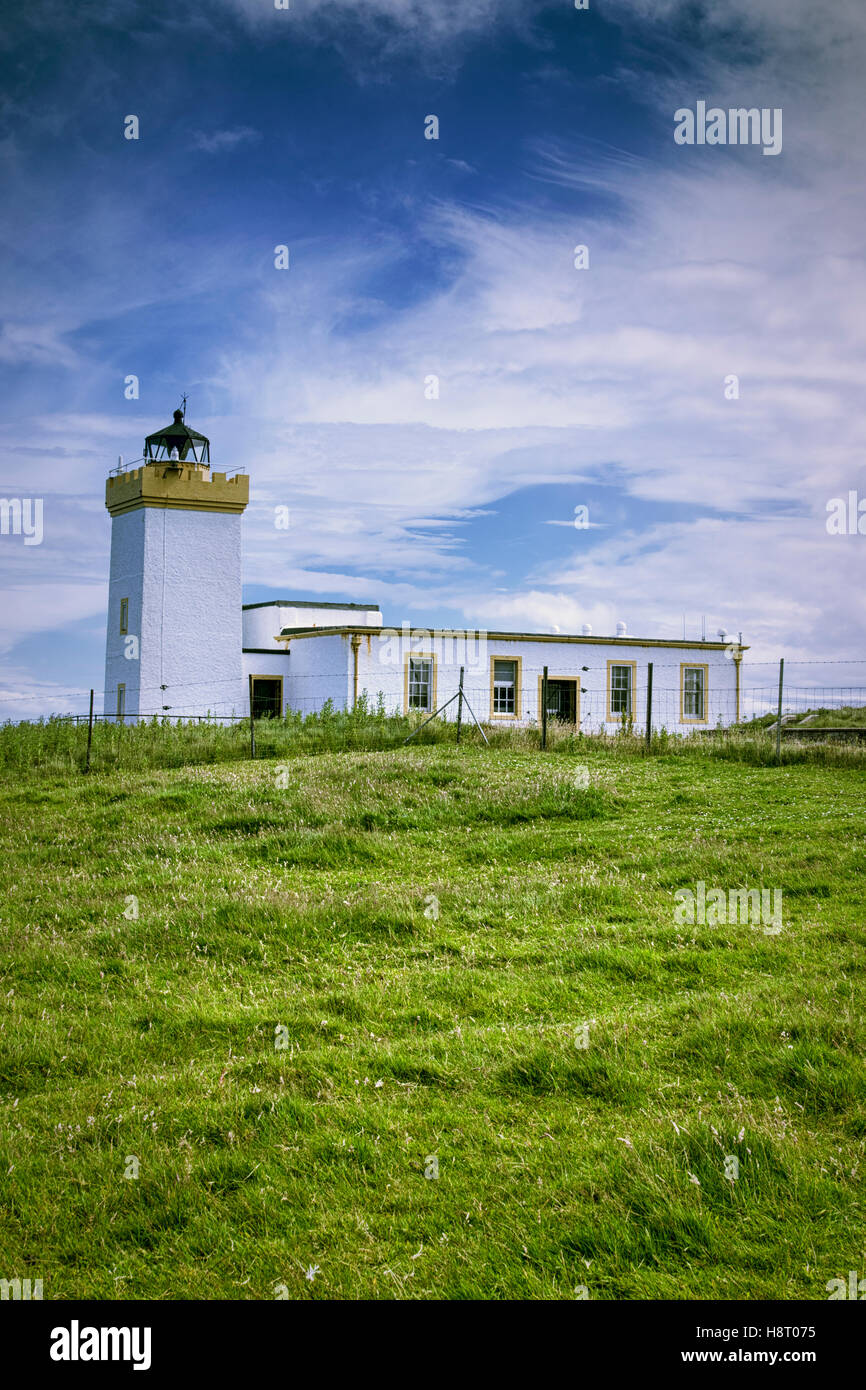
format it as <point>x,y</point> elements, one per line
<point>558,387</point>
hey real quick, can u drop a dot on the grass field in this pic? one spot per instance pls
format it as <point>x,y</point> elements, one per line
<point>286,993</point>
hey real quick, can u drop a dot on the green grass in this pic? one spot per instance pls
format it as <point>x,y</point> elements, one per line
<point>839,717</point>
<point>847,716</point>
<point>57,745</point>
<point>432,927</point>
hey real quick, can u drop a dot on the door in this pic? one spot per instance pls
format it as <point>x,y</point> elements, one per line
<point>562,700</point>
<point>267,697</point>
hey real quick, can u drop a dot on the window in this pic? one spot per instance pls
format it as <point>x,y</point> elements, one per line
<point>505,688</point>
<point>693,694</point>
<point>124,616</point>
<point>420,683</point>
<point>121,701</point>
<point>620,689</point>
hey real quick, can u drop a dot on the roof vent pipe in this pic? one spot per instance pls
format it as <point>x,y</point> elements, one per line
<point>621,629</point>
<point>586,630</point>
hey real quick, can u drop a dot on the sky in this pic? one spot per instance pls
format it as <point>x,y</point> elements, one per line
<point>604,386</point>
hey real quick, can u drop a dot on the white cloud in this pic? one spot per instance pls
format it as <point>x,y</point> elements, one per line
<point>40,605</point>
<point>439,21</point>
<point>39,343</point>
<point>221,141</point>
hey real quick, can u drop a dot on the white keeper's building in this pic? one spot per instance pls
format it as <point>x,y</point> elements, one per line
<point>181,643</point>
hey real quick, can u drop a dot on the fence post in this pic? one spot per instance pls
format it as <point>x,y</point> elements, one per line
<point>779,715</point>
<point>649,704</point>
<point>89,735</point>
<point>460,704</point>
<point>544,708</point>
<point>252,723</point>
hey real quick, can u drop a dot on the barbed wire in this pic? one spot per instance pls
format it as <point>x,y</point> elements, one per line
<point>58,691</point>
<point>342,675</point>
<point>592,702</point>
<point>591,709</point>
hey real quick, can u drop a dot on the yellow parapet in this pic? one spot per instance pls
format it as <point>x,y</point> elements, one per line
<point>189,486</point>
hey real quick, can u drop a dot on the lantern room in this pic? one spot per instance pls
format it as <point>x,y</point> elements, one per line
<point>177,441</point>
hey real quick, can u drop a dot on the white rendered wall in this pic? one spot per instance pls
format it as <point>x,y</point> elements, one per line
<point>320,669</point>
<point>382,669</point>
<point>263,623</point>
<point>126,572</point>
<point>181,571</point>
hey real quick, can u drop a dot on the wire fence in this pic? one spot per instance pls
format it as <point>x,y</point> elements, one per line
<point>583,699</point>
<point>819,723</point>
<point>596,709</point>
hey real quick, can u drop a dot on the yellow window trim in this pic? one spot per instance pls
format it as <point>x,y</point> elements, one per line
<point>694,666</point>
<point>618,718</point>
<point>124,616</point>
<point>420,656</point>
<point>518,685</point>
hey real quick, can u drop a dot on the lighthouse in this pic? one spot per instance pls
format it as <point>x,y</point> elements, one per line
<point>173,646</point>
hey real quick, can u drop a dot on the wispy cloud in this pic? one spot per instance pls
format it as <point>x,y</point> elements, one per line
<point>223,141</point>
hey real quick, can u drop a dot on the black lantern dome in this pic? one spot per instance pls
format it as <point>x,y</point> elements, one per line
<point>177,441</point>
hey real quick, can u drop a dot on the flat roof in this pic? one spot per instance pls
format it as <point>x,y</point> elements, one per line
<point>309,603</point>
<point>347,630</point>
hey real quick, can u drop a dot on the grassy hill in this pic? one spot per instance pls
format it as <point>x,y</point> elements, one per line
<point>839,717</point>
<point>846,716</point>
<point>288,993</point>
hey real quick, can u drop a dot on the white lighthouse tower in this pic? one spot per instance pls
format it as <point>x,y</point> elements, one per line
<point>174,599</point>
